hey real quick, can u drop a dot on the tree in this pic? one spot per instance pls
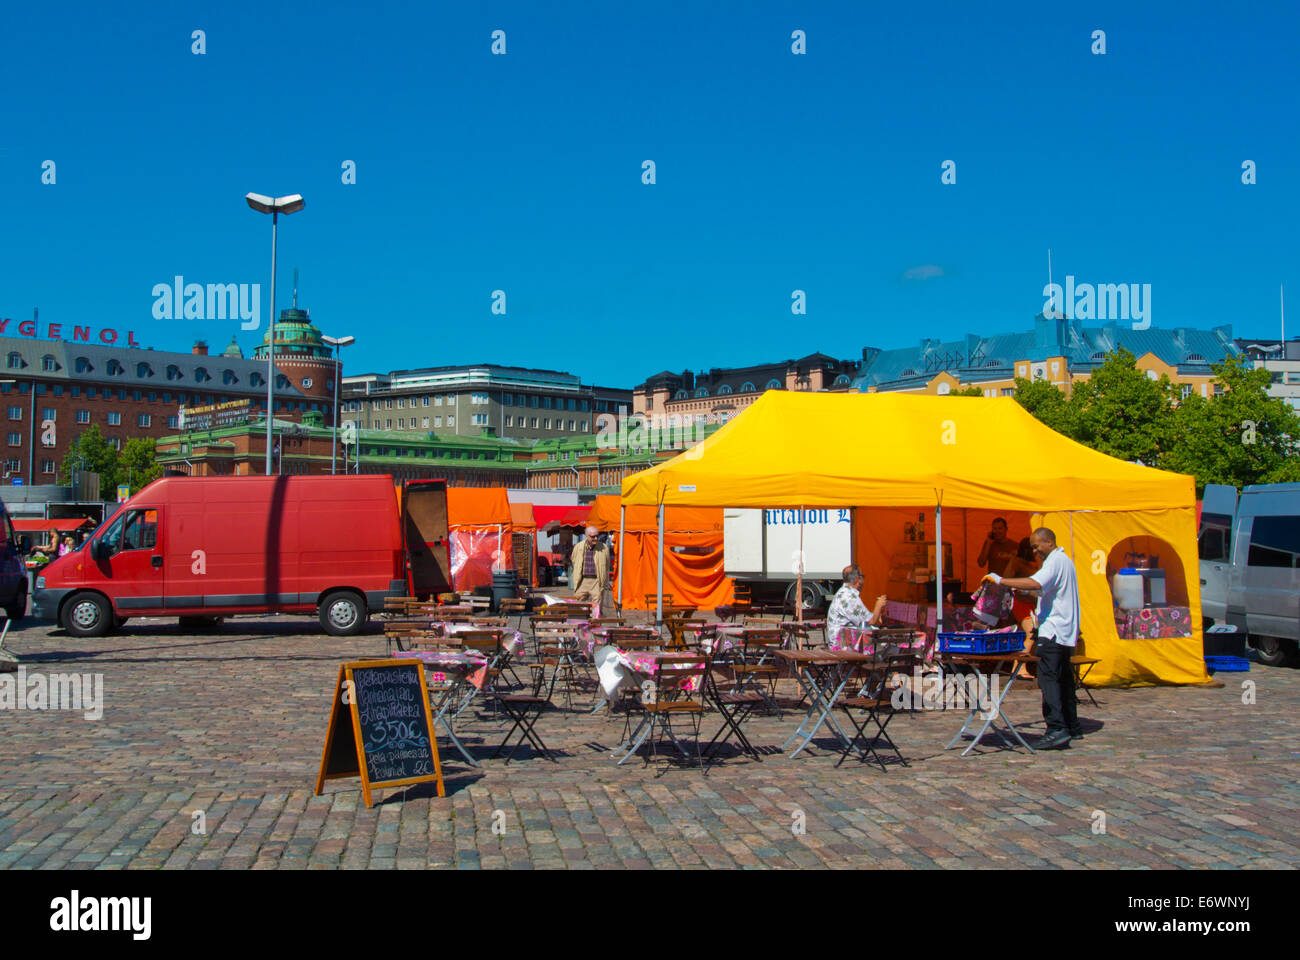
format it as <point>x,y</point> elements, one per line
<point>136,464</point>
<point>1049,404</point>
<point>1122,412</point>
<point>90,453</point>
<point>971,391</point>
<point>1240,435</point>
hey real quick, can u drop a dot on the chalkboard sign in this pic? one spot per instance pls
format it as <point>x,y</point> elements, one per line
<point>381,727</point>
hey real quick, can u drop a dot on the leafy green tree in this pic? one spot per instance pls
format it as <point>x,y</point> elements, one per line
<point>91,453</point>
<point>1240,435</point>
<point>1122,412</point>
<point>971,391</point>
<point>136,464</point>
<point>1049,404</point>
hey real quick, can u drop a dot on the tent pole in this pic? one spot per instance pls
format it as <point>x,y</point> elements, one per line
<point>938,562</point>
<point>798,590</point>
<point>659,599</point>
<point>618,599</point>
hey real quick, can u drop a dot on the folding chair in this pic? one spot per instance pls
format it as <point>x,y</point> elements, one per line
<point>735,709</point>
<point>672,699</point>
<point>525,709</point>
<point>1082,667</point>
<point>652,600</point>
<point>756,668</point>
<point>488,643</point>
<point>514,607</point>
<point>875,700</point>
<point>557,648</point>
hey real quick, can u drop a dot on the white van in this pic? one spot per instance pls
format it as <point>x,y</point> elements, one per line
<point>1249,549</point>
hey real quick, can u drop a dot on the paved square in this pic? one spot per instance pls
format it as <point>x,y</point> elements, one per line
<point>231,724</point>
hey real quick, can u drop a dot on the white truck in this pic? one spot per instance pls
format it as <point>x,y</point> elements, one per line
<point>761,549</point>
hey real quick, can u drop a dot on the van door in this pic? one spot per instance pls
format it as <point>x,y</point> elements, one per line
<point>425,537</point>
<point>131,563</point>
<point>1214,548</point>
<point>1272,577</point>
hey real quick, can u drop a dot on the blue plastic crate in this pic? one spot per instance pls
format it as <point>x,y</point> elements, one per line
<point>1227,664</point>
<point>982,642</point>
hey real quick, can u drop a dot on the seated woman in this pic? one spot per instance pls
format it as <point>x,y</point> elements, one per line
<point>848,612</point>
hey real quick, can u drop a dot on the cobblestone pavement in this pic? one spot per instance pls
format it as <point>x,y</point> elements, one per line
<point>231,723</point>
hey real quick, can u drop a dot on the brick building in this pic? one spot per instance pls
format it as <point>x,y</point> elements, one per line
<point>52,390</point>
<point>716,396</point>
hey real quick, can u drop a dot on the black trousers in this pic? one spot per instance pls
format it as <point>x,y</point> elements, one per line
<point>1056,680</point>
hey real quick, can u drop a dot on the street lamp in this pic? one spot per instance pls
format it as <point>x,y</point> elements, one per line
<point>338,343</point>
<point>286,205</point>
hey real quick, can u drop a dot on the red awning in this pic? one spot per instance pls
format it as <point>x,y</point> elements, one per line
<point>551,517</point>
<point>30,525</point>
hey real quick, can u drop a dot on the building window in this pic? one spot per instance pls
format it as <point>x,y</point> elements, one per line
<point>47,466</point>
<point>143,420</point>
<point>508,399</point>
<point>15,413</point>
<point>437,401</point>
<point>401,403</point>
<point>15,439</point>
<point>390,424</point>
<point>508,423</point>
<point>437,422</point>
<point>451,421</point>
<point>546,423</point>
<point>137,396</point>
<point>174,422</point>
<point>228,378</point>
<point>15,360</point>
<point>534,401</point>
<point>583,428</point>
<point>114,418</point>
<point>201,374</point>
<point>773,384</point>
<point>480,419</point>
<point>48,364</point>
<point>426,423</point>
<point>115,443</point>
<point>401,423</point>
<point>143,370</point>
<point>306,383</point>
<point>723,390</point>
<point>83,416</point>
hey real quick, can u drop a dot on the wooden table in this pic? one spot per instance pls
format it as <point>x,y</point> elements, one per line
<point>822,674</point>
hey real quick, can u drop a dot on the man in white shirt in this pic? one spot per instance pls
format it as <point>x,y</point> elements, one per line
<point>847,608</point>
<point>1058,633</point>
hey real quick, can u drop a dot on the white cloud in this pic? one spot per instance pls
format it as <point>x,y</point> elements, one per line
<point>926,271</point>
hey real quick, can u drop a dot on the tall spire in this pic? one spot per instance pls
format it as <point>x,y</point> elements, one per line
<point>295,288</point>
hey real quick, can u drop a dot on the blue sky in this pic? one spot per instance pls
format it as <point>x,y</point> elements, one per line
<point>522,172</point>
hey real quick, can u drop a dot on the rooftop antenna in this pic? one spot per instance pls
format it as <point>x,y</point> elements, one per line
<point>1049,279</point>
<point>1281,303</point>
<point>295,288</point>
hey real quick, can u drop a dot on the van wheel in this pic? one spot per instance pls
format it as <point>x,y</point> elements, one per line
<point>87,615</point>
<point>343,613</point>
<point>18,609</point>
<point>812,597</point>
<point>1276,652</point>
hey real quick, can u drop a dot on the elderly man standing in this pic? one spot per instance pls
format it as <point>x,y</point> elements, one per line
<point>589,568</point>
<point>847,608</point>
<point>1058,633</point>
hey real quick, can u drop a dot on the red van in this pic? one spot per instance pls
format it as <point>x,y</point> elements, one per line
<point>200,548</point>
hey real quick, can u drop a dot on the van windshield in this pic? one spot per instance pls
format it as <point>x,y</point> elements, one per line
<point>104,526</point>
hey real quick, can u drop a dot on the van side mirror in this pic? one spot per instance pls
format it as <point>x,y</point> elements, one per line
<point>98,550</point>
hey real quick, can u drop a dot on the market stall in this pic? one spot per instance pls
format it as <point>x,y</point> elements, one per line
<point>692,554</point>
<point>925,477</point>
<point>480,525</point>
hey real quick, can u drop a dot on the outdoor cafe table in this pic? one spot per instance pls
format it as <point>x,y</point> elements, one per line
<point>822,674</point>
<point>464,671</point>
<point>983,666</point>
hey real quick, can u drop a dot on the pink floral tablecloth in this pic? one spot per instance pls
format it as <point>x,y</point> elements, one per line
<point>447,666</point>
<point>1153,623</point>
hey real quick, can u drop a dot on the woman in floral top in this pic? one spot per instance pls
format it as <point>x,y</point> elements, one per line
<point>847,608</point>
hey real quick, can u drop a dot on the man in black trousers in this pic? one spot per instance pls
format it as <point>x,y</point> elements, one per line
<point>1058,633</point>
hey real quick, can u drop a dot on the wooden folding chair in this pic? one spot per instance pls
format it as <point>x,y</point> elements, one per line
<point>874,700</point>
<point>525,709</point>
<point>670,698</point>
<point>755,667</point>
<point>735,708</point>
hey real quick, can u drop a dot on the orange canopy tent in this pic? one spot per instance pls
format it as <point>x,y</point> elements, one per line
<point>479,522</point>
<point>692,553</point>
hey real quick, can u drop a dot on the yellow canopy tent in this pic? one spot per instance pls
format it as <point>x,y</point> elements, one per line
<point>892,450</point>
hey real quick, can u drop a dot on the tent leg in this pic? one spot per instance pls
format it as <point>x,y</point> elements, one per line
<point>798,590</point>
<point>938,564</point>
<point>659,599</point>
<point>618,596</point>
